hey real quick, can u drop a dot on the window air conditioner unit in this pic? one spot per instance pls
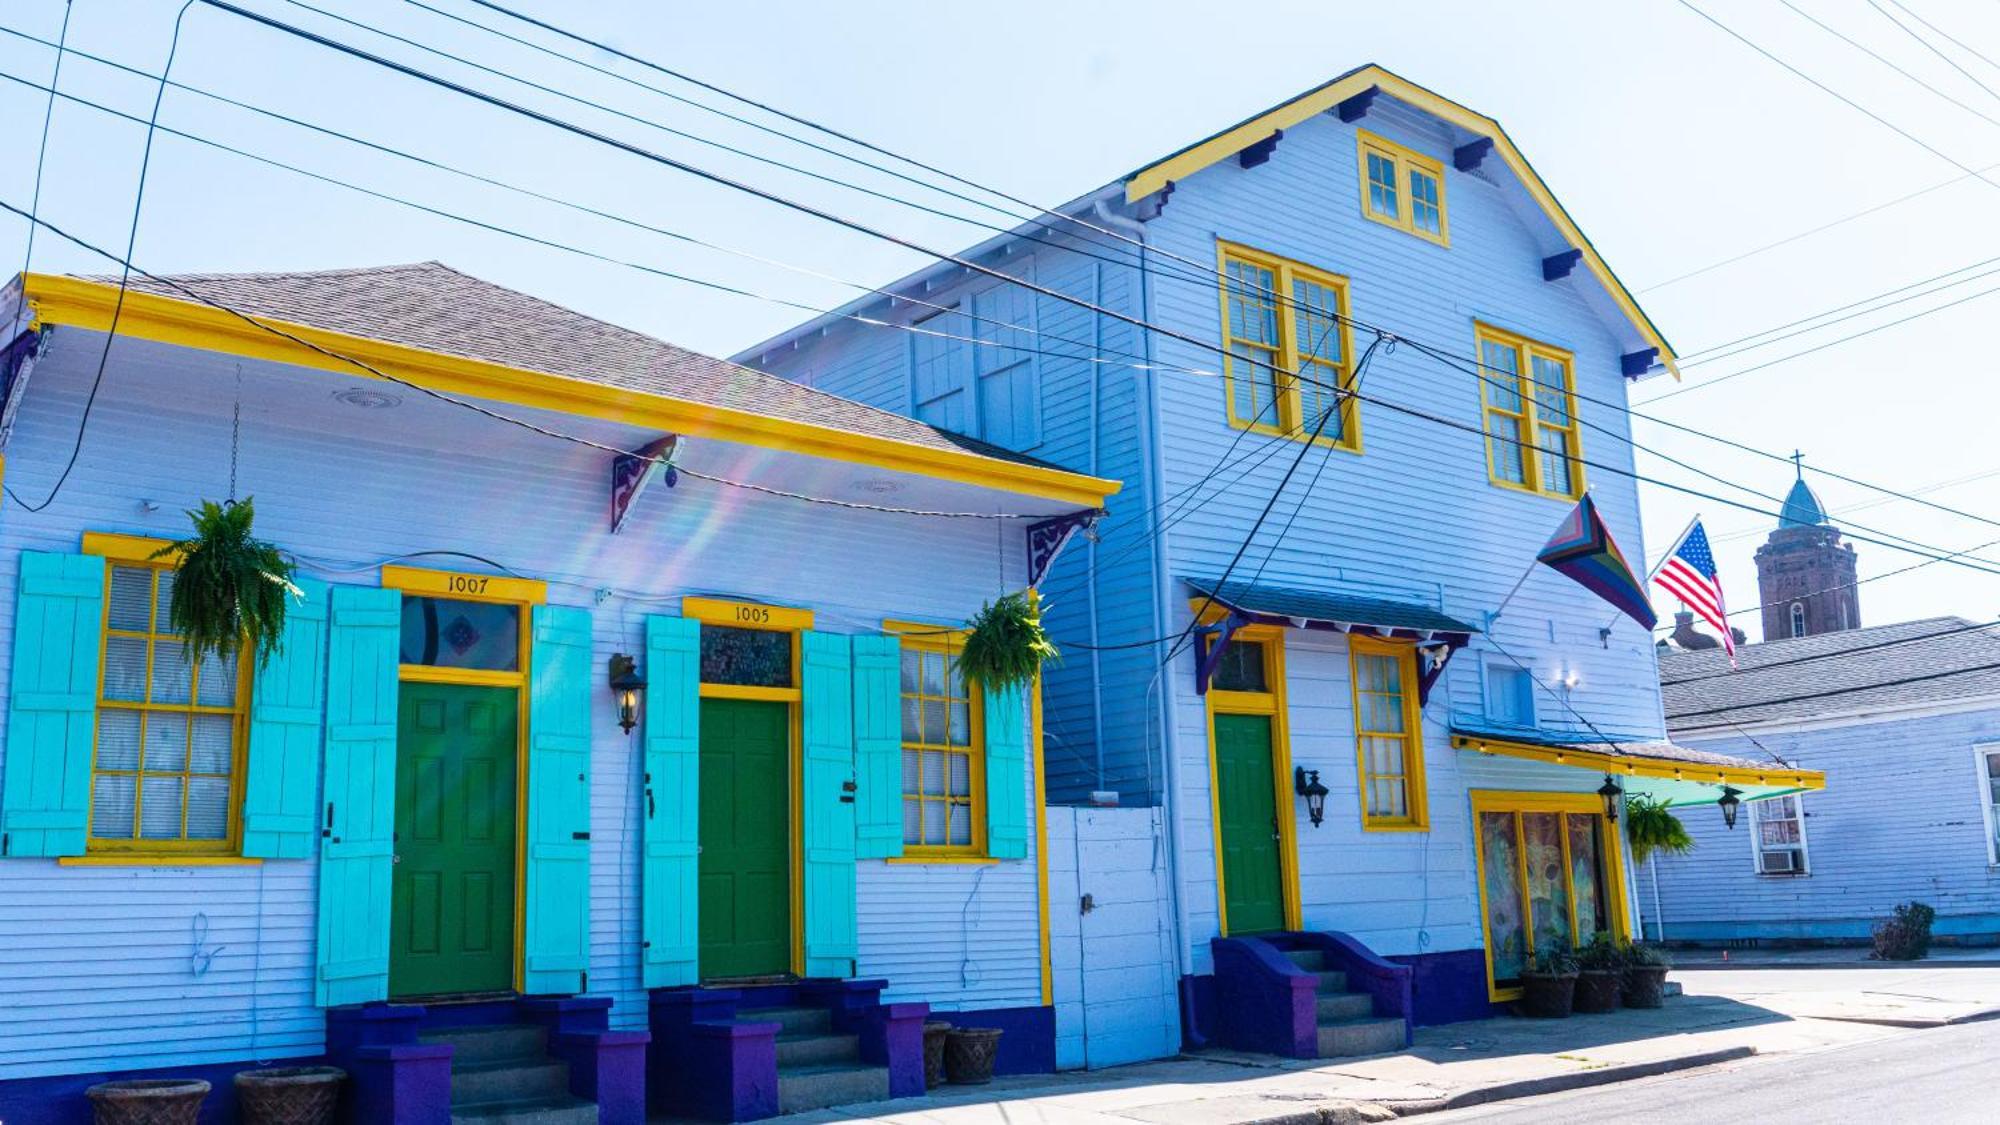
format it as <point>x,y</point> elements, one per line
<point>1788,862</point>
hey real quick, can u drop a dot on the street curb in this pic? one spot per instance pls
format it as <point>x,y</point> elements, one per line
<point>1751,966</point>
<point>1555,1084</point>
<point>1916,1023</point>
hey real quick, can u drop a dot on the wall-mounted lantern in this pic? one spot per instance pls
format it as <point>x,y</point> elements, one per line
<point>1730,804</point>
<point>1306,784</point>
<point>1610,792</point>
<point>627,685</point>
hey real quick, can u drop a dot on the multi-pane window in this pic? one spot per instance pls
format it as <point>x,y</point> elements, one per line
<point>1388,733</point>
<point>169,727</point>
<point>1798,616</point>
<point>1530,415</point>
<point>1988,758</point>
<point>1545,881</point>
<point>941,751</point>
<point>1781,836</point>
<point>1402,188</point>
<point>1287,336</point>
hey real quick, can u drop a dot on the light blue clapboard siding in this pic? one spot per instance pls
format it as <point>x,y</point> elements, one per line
<point>114,948</point>
<point>1900,819</point>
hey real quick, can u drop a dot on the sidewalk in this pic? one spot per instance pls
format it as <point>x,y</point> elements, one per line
<point>1933,993</point>
<point>1451,1066</point>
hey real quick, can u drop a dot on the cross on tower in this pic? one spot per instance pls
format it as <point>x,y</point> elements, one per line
<point>1799,463</point>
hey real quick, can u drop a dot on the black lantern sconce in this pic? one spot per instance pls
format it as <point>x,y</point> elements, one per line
<point>627,685</point>
<point>1610,792</point>
<point>1306,784</point>
<point>1730,804</point>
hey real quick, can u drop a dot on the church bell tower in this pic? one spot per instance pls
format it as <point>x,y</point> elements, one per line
<point>1805,573</point>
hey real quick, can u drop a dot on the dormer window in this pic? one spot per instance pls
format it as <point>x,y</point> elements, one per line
<point>1402,188</point>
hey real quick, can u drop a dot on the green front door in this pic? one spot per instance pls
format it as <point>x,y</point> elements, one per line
<point>746,865</point>
<point>452,906</point>
<point>1252,878</point>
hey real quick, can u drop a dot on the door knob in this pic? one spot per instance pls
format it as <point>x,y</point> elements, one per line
<point>395,859</point>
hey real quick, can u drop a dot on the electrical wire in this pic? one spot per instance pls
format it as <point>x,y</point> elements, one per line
<point>1878,57</point>
<point>42,148</point>
<point>1876,646</point>
<point>1807,697</point>
<point>1932,47</point>
<point>1959,43</point>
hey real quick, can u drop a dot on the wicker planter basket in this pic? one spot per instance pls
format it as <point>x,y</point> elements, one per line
<point>1547,997</point>
<point>934,1036</point>
<point>148,1101</point>
<point>969,1054</point>
<point>1597,990</point>
<point>1645,986</point>
<point>289,1095</point>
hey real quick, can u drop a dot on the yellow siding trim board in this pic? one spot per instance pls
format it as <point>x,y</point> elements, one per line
<point>1291,421</point>
<point>88,304</point>
<point>1229,142</point>
<point>1403,158</point>
<point>465,586</point>
<point>1416,791</point>
<point>746,615</point>
<point>1794,780</point>
<point>1508,801</point>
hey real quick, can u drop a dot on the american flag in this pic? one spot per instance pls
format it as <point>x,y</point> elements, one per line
<point>1689,574</point>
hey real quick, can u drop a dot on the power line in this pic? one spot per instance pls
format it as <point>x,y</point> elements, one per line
<point>1959,43</point>
<point>1808,659</point>
<point>1932,47</point>
<point>1806,697</point>
<point>42,148</point>
<point>1864,49</point>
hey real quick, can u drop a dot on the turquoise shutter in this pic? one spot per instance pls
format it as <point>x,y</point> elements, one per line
<point>878,747</point>
<point>558,845</point>
<point>288,694</point>
<point>828,805</point>
<point>52,704</point>
<point>358,814</point>
<point>1006,728</point>
<point>669,879</point>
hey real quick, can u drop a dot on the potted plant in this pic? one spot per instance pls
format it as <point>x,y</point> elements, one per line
<point>969,1053</point>
<point>289,1095</point>
<point>1646,968</point>
<point>148,1101</point>
<point>1650,828</point>
<point>1006,645</point>
<point>1548,986</point>
<point>230,588</point>
<point>1600,975</point>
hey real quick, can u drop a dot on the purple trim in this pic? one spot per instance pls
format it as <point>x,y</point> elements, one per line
<point>1264,1002</point>
<point>1204,670</point>
<point>1449,987</point>
<point>1555,267</point>
<point>1197,996</point>
<point>1047,539</point>
<point>1260,151</point>
<point>1472,154</point>
<point>391,1076</point>
<point>1386,981</point>
<point>1356,107</point>
<point>1430,678</point>
<point>892,1035</point>
<point>849,1002</point>
<point>59,1099</point>
<point>1634,364</point>
<point>1028,1045</point>
<point>607,1067</point>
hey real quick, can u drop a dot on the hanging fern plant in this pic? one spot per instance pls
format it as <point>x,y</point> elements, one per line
<point>1650,828</point>
<point>1007,644</point>
<point>230,588</point>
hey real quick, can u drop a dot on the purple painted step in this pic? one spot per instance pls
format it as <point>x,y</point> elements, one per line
<point>502,1074</point>
<point>1346,1021</point>
<point>1309,995</point>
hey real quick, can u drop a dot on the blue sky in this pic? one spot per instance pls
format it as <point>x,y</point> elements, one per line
<point>1673,145</point>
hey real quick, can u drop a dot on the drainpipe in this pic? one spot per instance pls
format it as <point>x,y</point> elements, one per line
<point>1096,655</point>
<point>1150,432</point>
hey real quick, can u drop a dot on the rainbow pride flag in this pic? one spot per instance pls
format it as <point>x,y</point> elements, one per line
<point>1583,549</point>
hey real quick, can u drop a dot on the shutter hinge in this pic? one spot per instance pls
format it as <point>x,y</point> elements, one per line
<point>579,835</point>
<point>5,839</point>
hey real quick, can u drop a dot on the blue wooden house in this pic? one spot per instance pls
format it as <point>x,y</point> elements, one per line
<point>1306,579</point>
<point>1908,716</point>
<point>563,752</point>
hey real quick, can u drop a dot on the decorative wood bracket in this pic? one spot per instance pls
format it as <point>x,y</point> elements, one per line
<point>1555,267</point>
<point>1222,631</point>
<point>1472,154</point>
<point>1434,668</point>
<point>1261,151</point>
<point>1635,364</point>
<point>1047,539</point>
<point>1356,107</point>
<point>1149,208</point>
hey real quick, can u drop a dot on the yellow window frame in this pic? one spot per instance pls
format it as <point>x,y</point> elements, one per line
<point>1271,702</point>
<point>1289,378</point>
<point>1609,849</point>
<point>947,640</point>
<point>138,551</point>
<point>1529,422</point>
<point>1415,791</point>
<point>1403,160</point>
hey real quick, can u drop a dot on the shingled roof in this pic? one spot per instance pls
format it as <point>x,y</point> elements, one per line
<point>434,308</point>
<point>1937,660</point>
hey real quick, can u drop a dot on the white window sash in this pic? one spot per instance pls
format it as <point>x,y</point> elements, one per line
<point>1757,848</point>
<point>1986,814</point>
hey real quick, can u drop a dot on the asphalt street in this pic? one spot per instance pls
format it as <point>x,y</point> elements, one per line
<point>1938,1075</point>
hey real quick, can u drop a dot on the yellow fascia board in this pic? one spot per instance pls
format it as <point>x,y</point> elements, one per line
<point>1644,767</point>
<point>1231,141</point>
<point>80,303</point>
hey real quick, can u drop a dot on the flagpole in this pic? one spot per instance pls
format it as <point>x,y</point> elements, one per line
<point>1648,584</point>
<point>1518,583</point>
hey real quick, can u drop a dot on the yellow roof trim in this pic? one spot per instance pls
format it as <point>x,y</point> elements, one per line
<point>1235,139</point>
<point>85,304</point>
<point>1644,767</point>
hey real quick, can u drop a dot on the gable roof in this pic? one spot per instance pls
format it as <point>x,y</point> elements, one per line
<point>1936,660</point>
<point>1370,80</point>
<point>455,332</point>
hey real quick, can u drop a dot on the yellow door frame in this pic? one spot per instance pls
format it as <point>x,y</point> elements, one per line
<point>727,613</point>
<point>1518,802</point>
<point>525,594</point>
<point>1271,703</point>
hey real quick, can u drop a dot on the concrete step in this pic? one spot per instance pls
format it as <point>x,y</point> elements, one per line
<point>809,1048</point>
<point>817,1087</point>
<point>563,1110</point>
<point>1339,1007</point>
<point>794,1021</point>
<point>490,1043</point>
<point>508,1080</point>
<point>1311,960</point>
<point>1331,980</point>
<point>1372,1036</point>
